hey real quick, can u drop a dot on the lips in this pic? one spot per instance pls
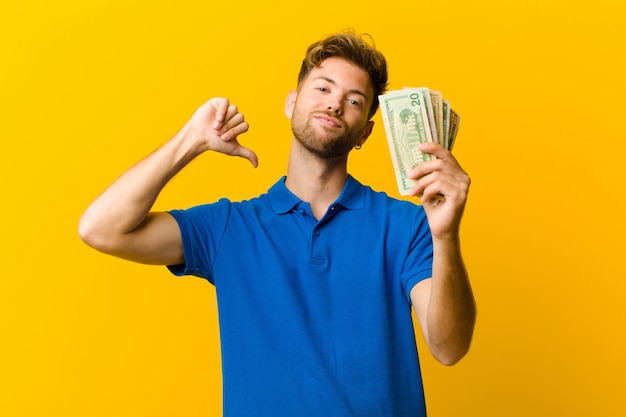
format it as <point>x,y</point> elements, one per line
<point>328,121</point>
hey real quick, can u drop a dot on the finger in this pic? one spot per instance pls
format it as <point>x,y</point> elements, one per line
<point>439,151</point>
<point>434,190</point>
<point>421,186</point>
<point>232,118</point>
<point>434,182</point>
<point>221,106</point>
<point>231,111</point>
<point>445,162</point>
<point>452,189</point>
<point>248,154</point>
<point>433,148</point>
<point>425,168</point>
<point>234,128</point>
<point>432,199</point>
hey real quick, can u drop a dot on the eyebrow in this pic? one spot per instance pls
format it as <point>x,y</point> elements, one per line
<point>331,81</point>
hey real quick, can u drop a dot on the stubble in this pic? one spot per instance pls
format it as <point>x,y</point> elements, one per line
<point>322,141</point>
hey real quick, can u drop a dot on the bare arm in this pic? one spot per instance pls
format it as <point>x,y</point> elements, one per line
<point>119,221</point>
<point>444,305</point>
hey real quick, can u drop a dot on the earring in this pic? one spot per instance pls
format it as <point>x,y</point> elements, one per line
<point>357,147</point>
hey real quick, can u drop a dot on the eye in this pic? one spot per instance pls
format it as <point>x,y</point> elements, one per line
<point>354,102</point>
<point>322,89</point>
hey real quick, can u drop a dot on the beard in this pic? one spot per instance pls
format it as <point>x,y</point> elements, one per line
<point>324,142</point>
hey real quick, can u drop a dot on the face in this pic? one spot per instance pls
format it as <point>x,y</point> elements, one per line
<point>329,112</point>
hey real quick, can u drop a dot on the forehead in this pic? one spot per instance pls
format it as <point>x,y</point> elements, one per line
<point>344,74</point>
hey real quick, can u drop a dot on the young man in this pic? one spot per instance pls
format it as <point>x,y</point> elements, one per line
<point>316,278</point>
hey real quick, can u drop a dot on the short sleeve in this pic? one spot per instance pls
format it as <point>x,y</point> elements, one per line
<point>418,264</point>
<point>202,229</point>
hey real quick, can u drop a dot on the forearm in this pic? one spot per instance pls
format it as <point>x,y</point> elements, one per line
<point>451,311</point>
<point>123,206</point>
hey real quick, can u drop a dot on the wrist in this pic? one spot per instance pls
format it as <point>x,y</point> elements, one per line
<point>448,241</point>
<point>191,142</point>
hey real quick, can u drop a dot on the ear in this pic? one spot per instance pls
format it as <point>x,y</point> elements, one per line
<point>290,103</point>
<point>367,131</point>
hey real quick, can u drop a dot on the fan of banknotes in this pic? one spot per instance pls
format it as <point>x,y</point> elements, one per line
<point>412,116</point>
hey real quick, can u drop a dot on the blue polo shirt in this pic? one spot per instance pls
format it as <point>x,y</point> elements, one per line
<point>315,316</point>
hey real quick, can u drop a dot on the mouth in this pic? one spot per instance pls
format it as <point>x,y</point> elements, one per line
<point>328,121</point>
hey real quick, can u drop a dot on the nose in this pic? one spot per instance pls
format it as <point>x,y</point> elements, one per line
<point>334,105</point>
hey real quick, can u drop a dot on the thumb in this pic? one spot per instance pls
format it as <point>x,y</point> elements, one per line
<point>248,154</point>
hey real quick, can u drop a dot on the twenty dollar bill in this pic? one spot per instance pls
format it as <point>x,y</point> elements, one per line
<point>406,123</point>
<point>413,116</point>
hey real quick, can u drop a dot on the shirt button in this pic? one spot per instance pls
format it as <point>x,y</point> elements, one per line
<point>316,233</point>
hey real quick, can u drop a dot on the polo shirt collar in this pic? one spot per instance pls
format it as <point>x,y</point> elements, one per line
<point>282,200</point>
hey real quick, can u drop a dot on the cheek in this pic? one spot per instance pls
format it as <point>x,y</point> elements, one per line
<point>356,120</point>
<point>304,107</point>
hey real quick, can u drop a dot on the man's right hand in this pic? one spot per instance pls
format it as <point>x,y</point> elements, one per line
<point>119,222</point>
<point>216,126</point>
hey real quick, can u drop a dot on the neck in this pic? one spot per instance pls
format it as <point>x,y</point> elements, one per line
<point>316,181</point>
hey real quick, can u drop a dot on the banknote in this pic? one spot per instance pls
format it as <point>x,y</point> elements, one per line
<point>430,111</point>
<point>407,124</point>
<point>436,100</point>
<point>412,116</point>
<point>455,119</point>
<point>446,123</point>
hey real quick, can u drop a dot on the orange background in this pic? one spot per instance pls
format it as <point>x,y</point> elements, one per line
<point>89,88</point>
